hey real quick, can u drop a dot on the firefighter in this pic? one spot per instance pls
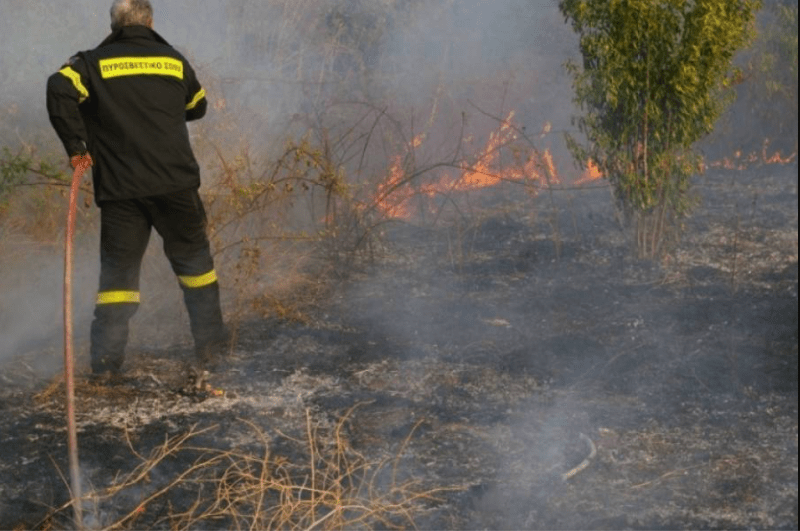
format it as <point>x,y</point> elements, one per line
<point>123,108</point>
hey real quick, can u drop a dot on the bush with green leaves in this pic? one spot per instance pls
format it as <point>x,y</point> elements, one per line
<point>655,77</point>
<point>17,167</point>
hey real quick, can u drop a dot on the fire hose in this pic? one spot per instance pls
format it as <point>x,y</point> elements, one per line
<point>81,166</point>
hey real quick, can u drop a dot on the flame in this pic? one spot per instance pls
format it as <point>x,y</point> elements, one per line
<point>394,194</point>
<point>480,175</point>
<point>776,158</point>
<point>738,162</point>
<point>550,166</point>
<point>591,173</point>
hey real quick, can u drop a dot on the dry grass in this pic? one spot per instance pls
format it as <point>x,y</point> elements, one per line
<point>335,486</point>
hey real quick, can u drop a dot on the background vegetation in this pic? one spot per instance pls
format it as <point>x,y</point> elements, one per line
<point>326,116</point>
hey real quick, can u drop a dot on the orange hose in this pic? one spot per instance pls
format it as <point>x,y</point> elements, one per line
<point>69,363</point>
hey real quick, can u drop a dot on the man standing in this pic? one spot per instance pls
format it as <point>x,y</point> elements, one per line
<point>123,108</point>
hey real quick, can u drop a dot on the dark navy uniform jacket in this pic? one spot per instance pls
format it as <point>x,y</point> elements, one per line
<point>127,102</point>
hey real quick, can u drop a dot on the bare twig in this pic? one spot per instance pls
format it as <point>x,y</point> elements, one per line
<point>585,463</point>
<point>665,476</point>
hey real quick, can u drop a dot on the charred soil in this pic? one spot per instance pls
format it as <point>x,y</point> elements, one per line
<point>492,373</point>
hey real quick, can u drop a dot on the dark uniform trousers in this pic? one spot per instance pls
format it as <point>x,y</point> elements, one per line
<point>180,219</point>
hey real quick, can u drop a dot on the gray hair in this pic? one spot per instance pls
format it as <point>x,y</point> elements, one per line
<point>131,13</point>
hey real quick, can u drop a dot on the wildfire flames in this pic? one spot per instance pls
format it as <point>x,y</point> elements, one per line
<point>592,173</point>
<point>532,168</point>
<point>739,162</point>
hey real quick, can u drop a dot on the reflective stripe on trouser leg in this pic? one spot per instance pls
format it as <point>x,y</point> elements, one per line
<point>205,315</point>
<point>124,232</point>
<point>198,281</point>
<point>180,219</point>
<point>109,332</point>
<point>117,297</point>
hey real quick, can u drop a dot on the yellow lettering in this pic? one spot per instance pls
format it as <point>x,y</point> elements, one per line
<point>140,66</point>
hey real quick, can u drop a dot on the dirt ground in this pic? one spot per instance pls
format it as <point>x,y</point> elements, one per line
<point>543,376</point>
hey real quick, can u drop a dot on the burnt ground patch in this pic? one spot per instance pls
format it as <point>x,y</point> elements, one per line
<point>482,356</point>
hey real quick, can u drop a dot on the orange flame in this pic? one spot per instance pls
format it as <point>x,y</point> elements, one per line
<point>591,173</point>
<point>393,194</point>
<point>738,162</point>
<point>550,166</point>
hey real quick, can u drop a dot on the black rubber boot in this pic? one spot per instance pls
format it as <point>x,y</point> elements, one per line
<point>109,336</point>
<point>211,337</point>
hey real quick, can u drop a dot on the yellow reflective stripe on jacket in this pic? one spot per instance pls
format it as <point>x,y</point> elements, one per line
<point>197,97</point>
<point>75,77</point>
<point>137,66</point>
<point>117,297</point>
<point>198,281</point>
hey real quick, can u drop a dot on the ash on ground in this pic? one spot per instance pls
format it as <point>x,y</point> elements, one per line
<point>479,357</point>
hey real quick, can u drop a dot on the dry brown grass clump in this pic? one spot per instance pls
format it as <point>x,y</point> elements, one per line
<point>330,485</point>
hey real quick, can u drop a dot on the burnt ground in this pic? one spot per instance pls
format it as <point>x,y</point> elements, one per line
<point>477,357</point>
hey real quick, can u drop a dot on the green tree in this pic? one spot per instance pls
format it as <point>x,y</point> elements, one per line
<point>655,77</point>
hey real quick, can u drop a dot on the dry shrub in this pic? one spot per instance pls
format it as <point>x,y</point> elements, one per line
<point>33,196</point>
<point>286,222</point>
<point>269,227</point>
<point>325,484</point>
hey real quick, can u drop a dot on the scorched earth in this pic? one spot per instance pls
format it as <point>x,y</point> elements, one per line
<point>492,373</point>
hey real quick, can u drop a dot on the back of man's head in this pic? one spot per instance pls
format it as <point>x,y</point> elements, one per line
<point>131,13</point>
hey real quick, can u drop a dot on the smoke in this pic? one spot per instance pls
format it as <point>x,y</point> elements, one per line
<point>278,69</point>
<point>270,62</point>
<point>271,68</point>
<point>31,313</point>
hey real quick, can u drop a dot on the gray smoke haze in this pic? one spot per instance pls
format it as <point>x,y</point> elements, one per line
<point>31,312</point>
<point>277,69</point>
<point>264,63</point>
